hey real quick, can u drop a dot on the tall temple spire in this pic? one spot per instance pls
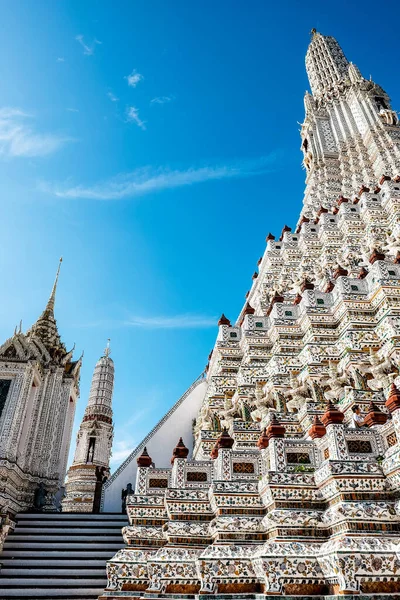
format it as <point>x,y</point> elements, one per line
<point>326,63</point>
<point>93,445</point>
<point>350,132</point>
<point>101,390</point>
<point>45,327</point>
<point>300,340</point>
<point>52,299</point>
<point>39,386</point>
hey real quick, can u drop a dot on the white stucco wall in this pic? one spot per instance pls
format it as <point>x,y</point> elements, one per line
<point>160,443</point>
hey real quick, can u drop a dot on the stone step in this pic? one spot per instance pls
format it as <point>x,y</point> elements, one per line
<point>11,563</point>
<point>59,555</point>
<point>66,554</point>
<point>66,545</point>
<point>61,539</point>
<point>67,593</point>
<point>24,571</point>
<point>70,516</point>
<point>71,525</point>
<point>62,531</point>
<point>34,582</point>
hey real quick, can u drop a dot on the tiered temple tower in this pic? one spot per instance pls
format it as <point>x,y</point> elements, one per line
<point>93,445</point>
<point>350,134</point>
<point>39,386</point>
<point>282,495</point>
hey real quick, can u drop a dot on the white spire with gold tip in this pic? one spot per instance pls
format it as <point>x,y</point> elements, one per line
<point>101,390</point>
<point>326,63</point>
<point>93,446</point>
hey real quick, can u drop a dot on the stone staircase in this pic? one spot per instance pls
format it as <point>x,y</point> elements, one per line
<point>59,555</point>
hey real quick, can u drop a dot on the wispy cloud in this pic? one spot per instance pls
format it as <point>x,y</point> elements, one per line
<point>132,116</point>
<point>75,110</point>
<point>185,321</point>
<point>147,179</point>
<point>125,443</point>
<point>60,59</point>
<point>112,97</point>
<point>88,50</point>
<point>152,396</point>
<point>134,78</point>
<point>181,321</point>
<point>121,450</point>
<point>17,138</point>
<point>162,99</point>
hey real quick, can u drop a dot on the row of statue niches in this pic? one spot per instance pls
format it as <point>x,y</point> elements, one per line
<point>322,271</point>
<point>376,375</point>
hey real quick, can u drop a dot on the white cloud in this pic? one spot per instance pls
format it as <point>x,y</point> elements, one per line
<point>134,78</point>
<point>132,116</point>
<point>60,59</point>
<point>147,179</point>
<point>88,50</point>
<point>185,321</point>
<point>17,138</point>
<point>121,450</point>
<point>112,97</point>
<point>8,112</point>
<point>162,99</point>
<point>75,110</point>
<point>125,444</point>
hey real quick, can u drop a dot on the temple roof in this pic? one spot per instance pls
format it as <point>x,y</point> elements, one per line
<point>42,342</point>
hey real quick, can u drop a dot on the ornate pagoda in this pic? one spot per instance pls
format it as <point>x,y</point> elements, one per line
<point>284,494</point>
<point>39,387</point>
<point>91,465</point>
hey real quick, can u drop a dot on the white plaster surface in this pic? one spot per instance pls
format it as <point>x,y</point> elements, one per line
<point>160,443</point>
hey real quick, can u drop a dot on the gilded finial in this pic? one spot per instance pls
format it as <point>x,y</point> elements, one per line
<point>313,32</point>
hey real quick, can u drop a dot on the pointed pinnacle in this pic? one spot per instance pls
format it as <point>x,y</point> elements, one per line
<point>107,350</point>
<point>52,299</point>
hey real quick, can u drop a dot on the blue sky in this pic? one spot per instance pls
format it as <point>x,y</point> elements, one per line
<point>154,145</point>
